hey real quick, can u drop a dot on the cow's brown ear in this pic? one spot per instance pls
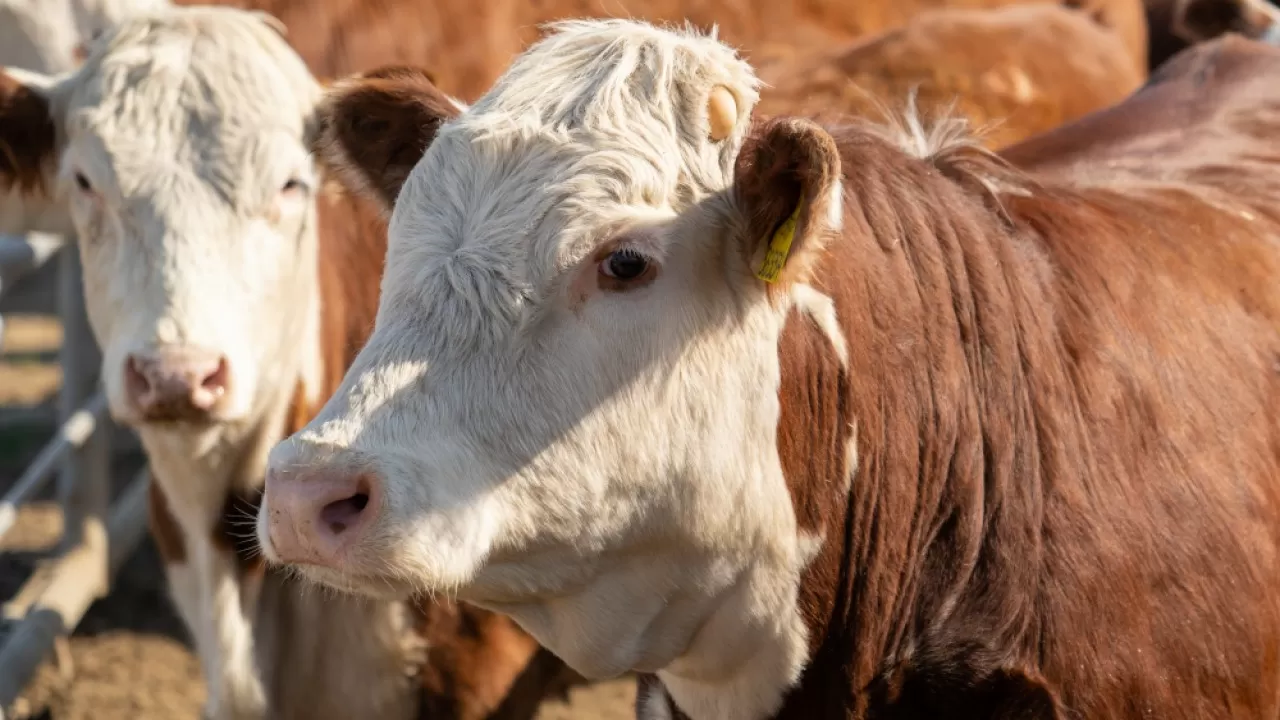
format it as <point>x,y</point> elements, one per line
<point>788,185</point>
<point>1200,20</point>
<point>373,128</point>
<point>28,135</point>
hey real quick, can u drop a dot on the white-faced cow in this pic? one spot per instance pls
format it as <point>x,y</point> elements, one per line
<point>229,283</point>
<point>819,422</point>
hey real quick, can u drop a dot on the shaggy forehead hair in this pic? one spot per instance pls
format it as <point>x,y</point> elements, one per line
<point>202,90</point>
<point>599,124</point>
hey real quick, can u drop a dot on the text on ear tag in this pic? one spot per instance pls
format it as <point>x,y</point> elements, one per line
<point>779,247</point>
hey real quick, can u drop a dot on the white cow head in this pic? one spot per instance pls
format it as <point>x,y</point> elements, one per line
<point>180,150</point>
<point>568,408</point>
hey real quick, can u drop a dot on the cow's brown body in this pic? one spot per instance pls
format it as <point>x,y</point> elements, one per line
<point>1065,402</point>
<point>467,45</point>
<point>1020,70</point>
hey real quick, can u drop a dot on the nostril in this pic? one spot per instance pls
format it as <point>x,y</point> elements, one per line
<point>216,382</point>
<point>342,514</point>
<point>135,378</point>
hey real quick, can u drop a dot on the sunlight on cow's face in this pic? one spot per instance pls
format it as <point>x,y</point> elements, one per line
<point>190,188</point>
<point>571,391</point>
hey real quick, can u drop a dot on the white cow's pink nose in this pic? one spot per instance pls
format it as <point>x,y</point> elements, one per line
<point>314,515</point>
<point>176,383</point>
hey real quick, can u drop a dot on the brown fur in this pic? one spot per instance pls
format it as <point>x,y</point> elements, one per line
<point>1065,502</point>
<point>1174,25</point>
<point>475,657</point>
<point>391,114</point>
<point>468,44</point>
<point>27,136</point>
<point>1019,69</point>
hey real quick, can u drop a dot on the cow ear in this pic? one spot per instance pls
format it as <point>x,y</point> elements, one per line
<point>1200,20</point>
<point>29,148</point>
<point>788,185</point>
<point>373,128</point>
<point>28,133</point>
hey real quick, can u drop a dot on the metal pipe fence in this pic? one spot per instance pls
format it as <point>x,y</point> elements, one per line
<point>97,535</point>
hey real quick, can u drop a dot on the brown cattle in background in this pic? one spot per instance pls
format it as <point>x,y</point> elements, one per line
<point>1020,69</point>
<point>467,44</point>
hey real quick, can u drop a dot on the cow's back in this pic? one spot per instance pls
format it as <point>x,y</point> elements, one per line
<point>1158,392</point>
<point>468,44</point>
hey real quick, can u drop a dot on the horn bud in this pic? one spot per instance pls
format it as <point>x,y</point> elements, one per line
<point>722,112</point>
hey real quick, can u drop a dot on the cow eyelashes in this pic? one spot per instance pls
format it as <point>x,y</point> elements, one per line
<point>625,265</point>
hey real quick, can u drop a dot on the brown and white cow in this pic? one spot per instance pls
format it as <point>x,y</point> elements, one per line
<point>230,282</point>
<point>824,421</point>
<point>1016,70</point>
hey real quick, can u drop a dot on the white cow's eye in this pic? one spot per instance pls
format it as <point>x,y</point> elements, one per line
<point>83,183</point>
<point>294,185</point>
<point>624,265</point>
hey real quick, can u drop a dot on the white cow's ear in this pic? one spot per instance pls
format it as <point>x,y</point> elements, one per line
<point>29,147</point>
<point>371,129</point>
<point>788,185</point>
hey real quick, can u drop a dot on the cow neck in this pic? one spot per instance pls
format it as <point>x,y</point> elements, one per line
<point>936,295</point>
<point>915,461</point>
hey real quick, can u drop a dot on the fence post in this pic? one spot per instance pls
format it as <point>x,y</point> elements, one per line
<point>84,481</point>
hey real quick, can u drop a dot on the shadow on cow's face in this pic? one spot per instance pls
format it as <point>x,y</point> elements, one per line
<point>568,409</point>
<point>182,156</point>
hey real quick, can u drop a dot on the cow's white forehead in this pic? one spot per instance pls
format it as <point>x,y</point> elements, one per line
<point>601,123</point>
<point>207,89</point>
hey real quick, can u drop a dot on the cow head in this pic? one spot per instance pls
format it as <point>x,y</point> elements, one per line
<point>568,408</point>
<point>1199,20</point>
<point>181,152</point>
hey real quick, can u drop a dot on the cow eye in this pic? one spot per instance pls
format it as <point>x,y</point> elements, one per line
<point>294,185</point>
<point>625,264</point>
<point>83,183</point>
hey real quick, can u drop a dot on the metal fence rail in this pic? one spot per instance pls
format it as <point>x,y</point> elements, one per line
<point>97,536</point>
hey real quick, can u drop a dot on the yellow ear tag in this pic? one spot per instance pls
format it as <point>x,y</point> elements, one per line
<point>779,246</point>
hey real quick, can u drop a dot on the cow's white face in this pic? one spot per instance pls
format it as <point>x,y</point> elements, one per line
<point>568,408</point>
<point>182,155</point>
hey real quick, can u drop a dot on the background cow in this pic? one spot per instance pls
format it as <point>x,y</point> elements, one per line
<point>1015,70</point>
<point>825,422</point>
<point>229,287</point>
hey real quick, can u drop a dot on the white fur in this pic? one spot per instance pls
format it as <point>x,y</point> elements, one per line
<point>601,466</point>
<point>37,35</point>
<point>188,123</point>
<point>823,311</point>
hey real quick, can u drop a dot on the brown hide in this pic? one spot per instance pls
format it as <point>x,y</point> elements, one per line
<point>467,44</point>
<point>1016,70</point>
<point>1066,400</point>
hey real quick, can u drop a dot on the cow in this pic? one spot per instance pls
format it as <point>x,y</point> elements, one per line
<point>1174,25</point>
<point>229,281</point>
<point>339,37</point>
<point>807,420</point>
<point>1016,70</point>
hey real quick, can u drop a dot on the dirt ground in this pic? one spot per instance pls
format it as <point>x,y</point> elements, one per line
<point>129,659</point>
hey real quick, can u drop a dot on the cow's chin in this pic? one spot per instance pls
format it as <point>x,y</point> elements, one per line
<point>377,587</point>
